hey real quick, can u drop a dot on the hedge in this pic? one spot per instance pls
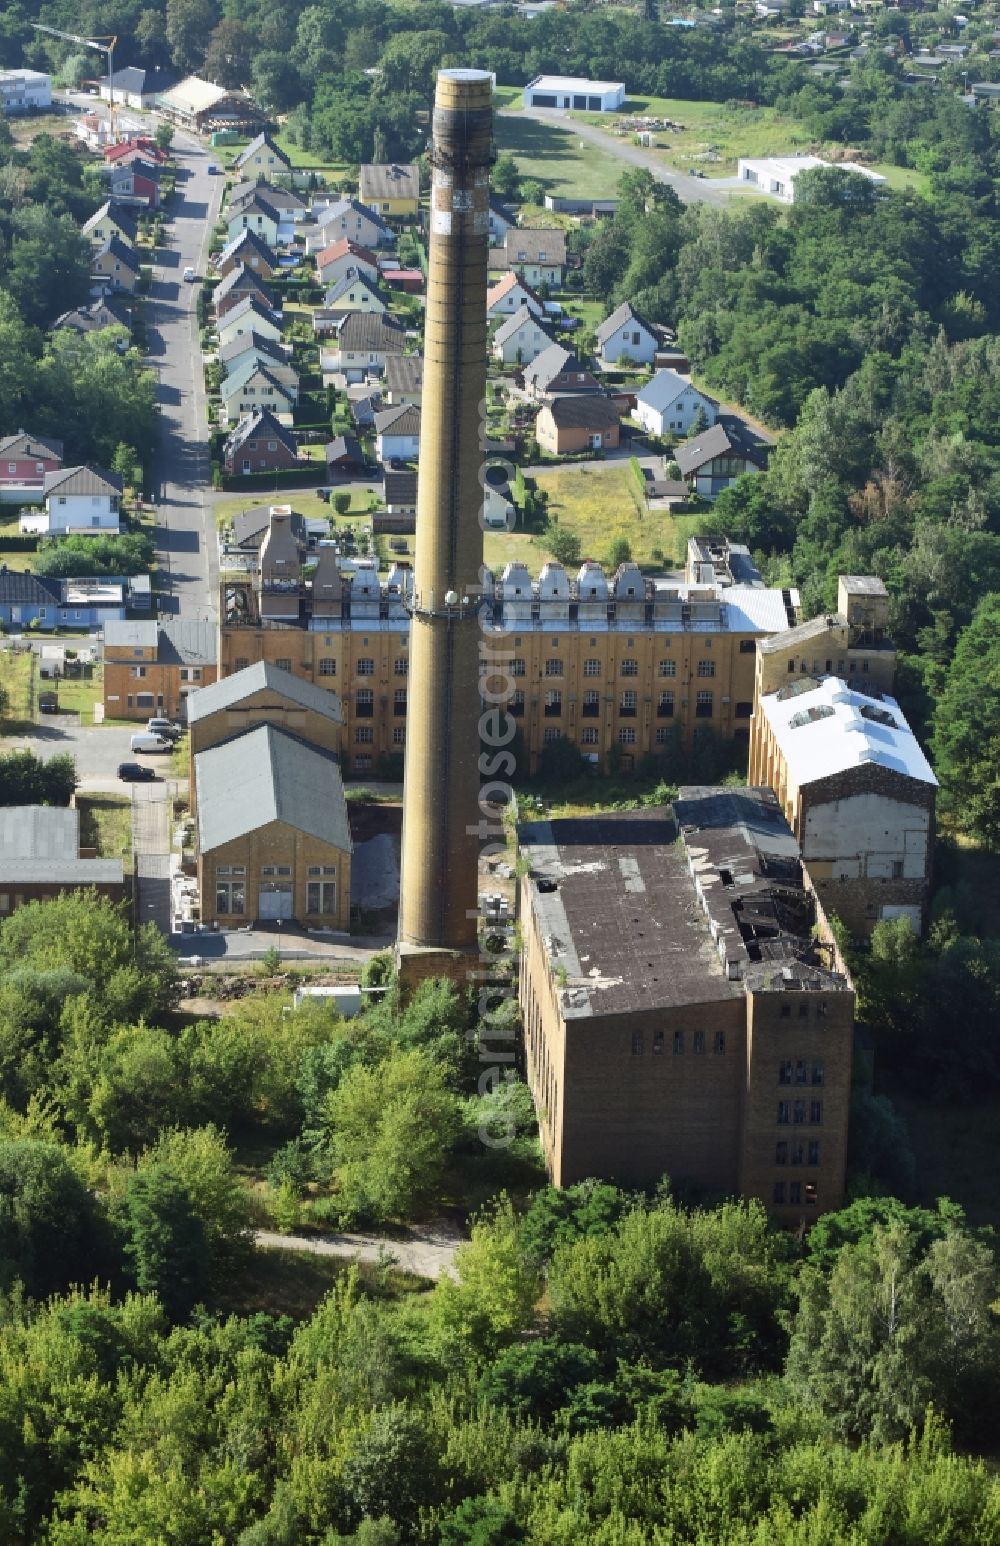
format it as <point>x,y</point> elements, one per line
<point>261,482</point>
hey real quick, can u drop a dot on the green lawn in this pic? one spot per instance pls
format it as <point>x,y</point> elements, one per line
<point>106,824</point>
<point>510,98</point>
<point>15,679</point>
<point>563,163</point>
<point>79,694</point>
<point>302,160</point>
<point>306,501</point>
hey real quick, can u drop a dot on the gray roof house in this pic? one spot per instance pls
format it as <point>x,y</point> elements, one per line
<point>625,335</point>
<point>263,677</point>
<point>265,776</point>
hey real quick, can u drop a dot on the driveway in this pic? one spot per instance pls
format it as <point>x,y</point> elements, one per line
<point>690,190</point>
<point>97,749</point>
<point>181,475</point>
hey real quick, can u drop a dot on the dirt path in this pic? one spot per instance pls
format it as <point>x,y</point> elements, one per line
<point>429,1252</point>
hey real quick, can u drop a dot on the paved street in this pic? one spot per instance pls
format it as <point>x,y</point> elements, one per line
<point>181,478</point>
<point>690,190</point>
<point>151,846</point>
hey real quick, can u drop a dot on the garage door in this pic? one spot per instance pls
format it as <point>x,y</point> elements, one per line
<point>275,902</point>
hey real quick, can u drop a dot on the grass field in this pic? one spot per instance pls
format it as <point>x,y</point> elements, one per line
<point>563,163</point>
<point>106,824</point>
<point>305,501</point>
<point>79,694</point>
<point>15,679</point>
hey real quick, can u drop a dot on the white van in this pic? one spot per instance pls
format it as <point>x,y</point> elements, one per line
<point>146,741</point>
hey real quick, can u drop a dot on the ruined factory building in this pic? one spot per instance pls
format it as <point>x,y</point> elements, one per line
<point>686,1012</point>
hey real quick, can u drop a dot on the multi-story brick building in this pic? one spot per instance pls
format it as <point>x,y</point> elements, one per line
<point>852,642</point>
<point>686,1012</point>
<point>149,667</point>
<point>622,665</point>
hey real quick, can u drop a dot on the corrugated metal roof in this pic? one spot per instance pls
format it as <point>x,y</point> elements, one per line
<point>264,776</point>
<point>130,635</point>
<point>262,677</point>
<point>39,832</point>
<point>187,641</point>
<point>833,728</point>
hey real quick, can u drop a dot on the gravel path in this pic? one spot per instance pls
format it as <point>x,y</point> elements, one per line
<point>428,1252</point>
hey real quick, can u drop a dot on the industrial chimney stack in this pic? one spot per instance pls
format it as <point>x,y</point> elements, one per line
<point>439,881</point>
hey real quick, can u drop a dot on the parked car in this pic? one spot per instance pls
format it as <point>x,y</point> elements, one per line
<point>135,773</point>
<point>144,741</point>
<point>189,272</point>
<point>212,168</point>
<point>159,726</point>
<point>48,702</point>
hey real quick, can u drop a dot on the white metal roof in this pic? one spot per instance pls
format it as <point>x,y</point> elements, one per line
<point>573,83</point>
<point>828,729</point>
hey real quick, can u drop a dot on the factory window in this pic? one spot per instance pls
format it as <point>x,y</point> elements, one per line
<point>626,736</point>
<point>816,1112</point>
<point>798,1111</point>
<point>637,1044</point>
<point>549,735</point>
<point>779,1192</point>
<point>668,668</point>
<point>818,1073</point>
<point>364,735</point>
<point>591,668</point>
<point>630,667</point>
<point>555,644</point>
<point>814,1151</point>
<point>784,1113</point>
<point>321,897</point>
<point>516,704</point>
<point>657,1043</point>
<point>665,706</point>
<point>399,701</point>
<point>800,1072</point>
<point>703,708</point>
<point>744,710</point>
<point>897,869</point>
<point>399,666</point>
<point>706,668</point>
<point>591,704</point>
<point>593,644</point>
<point>662,735</point>
<point>590,736</point>
<point>798,1152</point>
<point>628,703</point>
<point>516,667</point>
<point>811,1194</point>
<point>803,1011</point>
<point>553,668</point>
<point>795,1192</point>
<point>678,1043</point>
<point>328,666</point>
<point>362,764</point>
<point>785,1073</point>
<point>747,646</point>
<point>781,1152</point>
<point>553,703</point>
<point>366,667</point>
<point>230,896</point>
<point>364,703</point>
<point>720,1042</point>
<point>283,665</point>
<point>399,735</point>
<point>791,667</point>
<point>821,1011</point>
<point>786,1011</point>
<point>138,672</point>
<point>699,1042</point>
<point>517,643</point>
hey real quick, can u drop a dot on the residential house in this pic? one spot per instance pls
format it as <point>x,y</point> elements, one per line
<point>79,499</point>
<point>25,460</point>
<point>127,87</point>
<point>259,444</point>
<point>41,857</point>
<point>205,108</point>
<point>94,131</point>
<point>250,527</point>
<point>711,461</point>
<point>256,385</point>
<point>27,598</point>
<point>133,182</point>
<point>150,667</point>
<point>115,266</point>
<point>287,207</point>
<point>567,425</point>
<point>520,339</point>
<point>110,311</point>
<point>343,257</point>
<point>112,219</point>
<point>80,604</point>
<point>237,285</point>
<point>404,379</point>
<point>248,317</point>
<point>362,343</point>
<point>355,292</point>
<point>140,147</point>
<point>669,405</point>
<point>344,455</point>
<point>397,434</point>
<point>501,220</point>
<point>24,91</point>
<point>248,250</point>
<point>365,406</point>
<point>539,256</point>
<point>499,512</point>
<point>261,159</point>
<point>274,842</point>
<point>625,337</point>
<point>244,345</point>
<point>346,217</point>
<point>557,371</point>
<point>257,216</point>
<point>394,191</point>
<point>508,296</point>
<point>400,492</point>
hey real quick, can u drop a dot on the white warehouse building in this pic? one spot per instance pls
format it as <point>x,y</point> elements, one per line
<point>776,174</point>
<point>22,91</point>
<point>579,96</point>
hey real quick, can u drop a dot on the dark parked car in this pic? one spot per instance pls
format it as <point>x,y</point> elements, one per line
<point>135,773</point>
<point>48,702</point>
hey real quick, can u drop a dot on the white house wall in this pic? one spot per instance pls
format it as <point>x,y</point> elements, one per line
<point>864,836</point>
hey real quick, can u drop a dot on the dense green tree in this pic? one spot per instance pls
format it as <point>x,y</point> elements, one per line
<point>967,728</point>
<point>49,1229</point>
<point>164,1241</point>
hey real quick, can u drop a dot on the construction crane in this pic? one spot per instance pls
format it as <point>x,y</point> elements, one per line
<point>105,44</point>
